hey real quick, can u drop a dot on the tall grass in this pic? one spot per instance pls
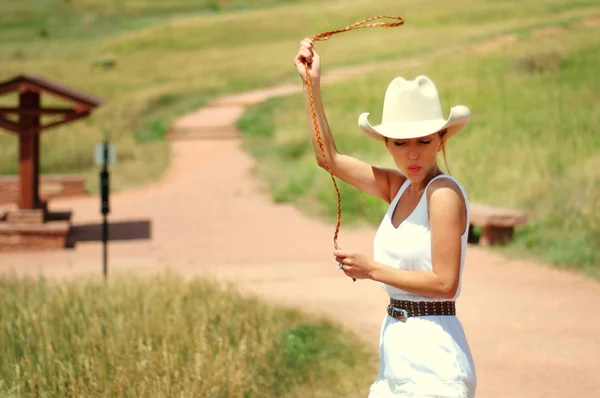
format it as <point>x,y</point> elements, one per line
<point>167,337</point>
<point>532,143</point>
<point>170,57</point>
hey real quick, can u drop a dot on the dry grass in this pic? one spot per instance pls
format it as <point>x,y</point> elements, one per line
<point>166,337</point>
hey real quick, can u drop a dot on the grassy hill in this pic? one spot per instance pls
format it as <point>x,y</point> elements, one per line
<point>531,143</point>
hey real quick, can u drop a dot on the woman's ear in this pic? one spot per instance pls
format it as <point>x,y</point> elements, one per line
<point>442,140</point>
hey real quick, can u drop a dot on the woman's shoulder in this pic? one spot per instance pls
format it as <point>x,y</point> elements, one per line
<point>447,203</point>
<point>445,187</point>
<point>445,181</point>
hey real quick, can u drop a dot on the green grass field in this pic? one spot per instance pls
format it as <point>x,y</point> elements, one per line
<point>171,56</point>
<point>168,337</point>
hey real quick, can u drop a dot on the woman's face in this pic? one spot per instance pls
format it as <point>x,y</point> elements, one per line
<point>416,157</point>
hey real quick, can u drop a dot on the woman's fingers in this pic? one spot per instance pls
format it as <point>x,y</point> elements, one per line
<point>347,269</point>
<point>307,56</point>
<point>304,55</point>
<point>307,42</point>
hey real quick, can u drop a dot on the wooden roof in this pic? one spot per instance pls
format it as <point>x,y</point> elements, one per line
<point>36,83</point>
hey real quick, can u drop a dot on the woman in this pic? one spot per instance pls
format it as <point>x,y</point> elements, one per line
<point>420,244</point>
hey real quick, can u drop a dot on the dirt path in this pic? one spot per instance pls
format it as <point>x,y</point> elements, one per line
<point>533,329</point>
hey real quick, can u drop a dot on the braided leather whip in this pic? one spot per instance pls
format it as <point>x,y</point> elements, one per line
<point>325,36</point>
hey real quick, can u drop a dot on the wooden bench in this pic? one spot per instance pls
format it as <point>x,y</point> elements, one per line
<point>497,224</point>
<point>50,186</point>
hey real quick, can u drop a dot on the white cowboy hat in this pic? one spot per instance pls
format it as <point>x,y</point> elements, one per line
<point>412,109</point>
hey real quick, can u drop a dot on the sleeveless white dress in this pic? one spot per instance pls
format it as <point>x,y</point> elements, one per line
<point>427,356</point>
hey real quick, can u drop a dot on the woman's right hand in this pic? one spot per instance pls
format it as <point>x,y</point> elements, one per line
<point>308,54</point>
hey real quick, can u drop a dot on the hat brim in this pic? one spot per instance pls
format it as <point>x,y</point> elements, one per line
<point>458,118</point>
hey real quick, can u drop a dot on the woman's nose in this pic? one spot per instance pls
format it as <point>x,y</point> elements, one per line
<point>412,155</point>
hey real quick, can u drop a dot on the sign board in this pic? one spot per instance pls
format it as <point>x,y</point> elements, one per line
<point>99,154</point>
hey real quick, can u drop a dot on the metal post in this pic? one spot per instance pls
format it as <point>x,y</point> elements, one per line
<point>104,190</point>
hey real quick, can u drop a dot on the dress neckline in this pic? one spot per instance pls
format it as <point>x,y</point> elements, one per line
<point>401,191</point>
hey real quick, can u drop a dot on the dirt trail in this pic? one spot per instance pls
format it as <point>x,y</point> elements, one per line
<point>532,328</point>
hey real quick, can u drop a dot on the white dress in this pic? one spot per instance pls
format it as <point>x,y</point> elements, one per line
<point>427,356</point>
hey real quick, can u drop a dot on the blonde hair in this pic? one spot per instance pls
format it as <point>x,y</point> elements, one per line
<point>442,134</point>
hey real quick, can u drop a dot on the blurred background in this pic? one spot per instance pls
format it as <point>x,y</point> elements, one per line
<point>528,71</point>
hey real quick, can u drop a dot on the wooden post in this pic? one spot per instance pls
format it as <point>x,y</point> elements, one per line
<point>29,148</point>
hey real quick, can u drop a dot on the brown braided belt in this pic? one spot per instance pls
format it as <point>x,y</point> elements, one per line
<point>404,309</point>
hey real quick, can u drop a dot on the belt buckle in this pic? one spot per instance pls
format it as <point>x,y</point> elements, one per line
<point>403,314</point>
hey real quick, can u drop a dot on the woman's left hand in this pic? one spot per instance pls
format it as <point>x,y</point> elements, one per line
<point>355,265</point>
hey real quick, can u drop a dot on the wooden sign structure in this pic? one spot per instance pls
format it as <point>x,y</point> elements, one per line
<point>27,226</point>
